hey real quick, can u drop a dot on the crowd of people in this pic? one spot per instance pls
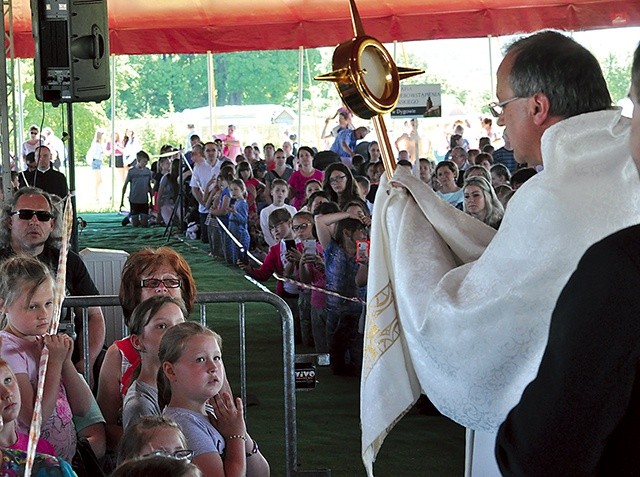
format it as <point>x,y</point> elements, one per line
<point>162,398</point>
<point>189,422</point>
<point>304,216</point>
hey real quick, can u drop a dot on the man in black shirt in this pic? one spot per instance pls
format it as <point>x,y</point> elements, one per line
<point>44,176</point>
<point>30,218</point>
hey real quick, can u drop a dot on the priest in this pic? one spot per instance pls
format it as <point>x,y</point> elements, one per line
<point>462,314</point>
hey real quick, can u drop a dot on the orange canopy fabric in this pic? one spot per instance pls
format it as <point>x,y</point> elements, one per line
<point>198,26</point>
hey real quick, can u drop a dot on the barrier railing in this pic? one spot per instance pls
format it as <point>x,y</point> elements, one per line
<point>240,297</point>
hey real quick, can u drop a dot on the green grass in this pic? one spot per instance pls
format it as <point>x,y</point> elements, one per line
<point>328,417</point>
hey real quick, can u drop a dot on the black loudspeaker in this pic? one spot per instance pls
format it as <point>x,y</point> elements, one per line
<point>72,50</point>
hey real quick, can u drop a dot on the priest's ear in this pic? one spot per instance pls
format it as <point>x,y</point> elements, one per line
<point>540,106</point>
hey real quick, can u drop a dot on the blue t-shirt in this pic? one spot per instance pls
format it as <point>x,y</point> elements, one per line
<point>345,135</point>
<point>340,272</point>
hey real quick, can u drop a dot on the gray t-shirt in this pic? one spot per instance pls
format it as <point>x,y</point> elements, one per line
<point>140,180</point>
<point>201,436</point>
<point>140,400</point>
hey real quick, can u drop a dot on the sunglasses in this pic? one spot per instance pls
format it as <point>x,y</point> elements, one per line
<point>27,214</point>
<point>155,282</point>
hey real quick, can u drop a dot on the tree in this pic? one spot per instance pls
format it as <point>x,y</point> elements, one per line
<point>617,76</point>
<point>86,116</point>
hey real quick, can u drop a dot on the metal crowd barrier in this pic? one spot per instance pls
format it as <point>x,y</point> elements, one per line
<point>288,351</point>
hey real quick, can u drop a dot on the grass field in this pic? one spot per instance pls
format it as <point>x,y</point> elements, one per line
<point>327,417</point>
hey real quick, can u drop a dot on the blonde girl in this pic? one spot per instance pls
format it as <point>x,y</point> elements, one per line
<point>149,322</point>
<point>152,435</point>
<point>10,436</point>
<point>26,303</point>
<point>193,384</point>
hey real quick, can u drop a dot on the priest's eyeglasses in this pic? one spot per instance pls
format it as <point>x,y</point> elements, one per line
<point>498,108</point>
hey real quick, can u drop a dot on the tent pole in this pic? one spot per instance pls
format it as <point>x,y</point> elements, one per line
<point>112,161</point>
<point>213,120</point>
<point>300,82</point>
<point>490,64</point>
<point>18,134</point>
<point>313,106</point>
<point>72,177</point>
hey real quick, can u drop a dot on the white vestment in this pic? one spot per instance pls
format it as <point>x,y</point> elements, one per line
<point>462,314</point>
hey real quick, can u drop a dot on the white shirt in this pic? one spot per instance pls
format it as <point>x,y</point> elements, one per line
<point>202,174</point>
<point>264,221</point>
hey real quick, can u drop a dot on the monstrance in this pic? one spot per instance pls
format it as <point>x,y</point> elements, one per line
<point>368,81</point>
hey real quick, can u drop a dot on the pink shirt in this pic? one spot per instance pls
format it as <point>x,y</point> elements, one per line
<point>298,181</point>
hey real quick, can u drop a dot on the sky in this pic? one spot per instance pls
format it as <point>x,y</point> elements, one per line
<point>469,65</point>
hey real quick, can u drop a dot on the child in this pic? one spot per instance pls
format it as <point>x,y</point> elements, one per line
<point>10,436</point>
<point>253,186</point>
<point>193,380</point>
<point>311,188</point>
<point>315,200</point>
<point>279,193</point>
<point>158,466</point>
<point>238,218</point>
<point>218,203</point>
<point>151,434</point>
<point>168,190</point>
<point>275,262</point>
<point>364,185</point>
<point>140,194</point>
<point>312,333</point>
<point>149,321</point>
<point>341,269</point>
<point>26,298</point>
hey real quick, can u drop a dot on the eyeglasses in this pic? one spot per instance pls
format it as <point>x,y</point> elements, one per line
<point>27,214</point>
<point>336,179</point>
<point>304,226</point>
<point>155,282</point>
<point>182,454</point>
<point>33,133</point>
<point>498,108</point>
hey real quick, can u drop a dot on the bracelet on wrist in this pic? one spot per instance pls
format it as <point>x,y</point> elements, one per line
<point>237,436</point>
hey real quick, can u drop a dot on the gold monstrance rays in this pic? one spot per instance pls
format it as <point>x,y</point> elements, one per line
<point>368,81</point>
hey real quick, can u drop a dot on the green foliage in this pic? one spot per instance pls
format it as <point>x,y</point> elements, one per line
<point>86,116</point>
<point>155,135</point>
<point>617,72</point>
<point>256,77</point>
<point>154,85</point>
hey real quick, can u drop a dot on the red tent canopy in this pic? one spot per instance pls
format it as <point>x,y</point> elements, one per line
<point>170,26</point>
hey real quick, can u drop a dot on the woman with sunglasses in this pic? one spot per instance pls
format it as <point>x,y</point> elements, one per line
<point>31,143</point>
<point>145,274</point>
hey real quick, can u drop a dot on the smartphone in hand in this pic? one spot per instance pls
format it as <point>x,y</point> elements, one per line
<point>290,244</point>
<point>309,247</point>
<point>362,251</point>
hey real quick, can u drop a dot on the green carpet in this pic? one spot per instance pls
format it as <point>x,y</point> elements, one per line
<point>327,417</point>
